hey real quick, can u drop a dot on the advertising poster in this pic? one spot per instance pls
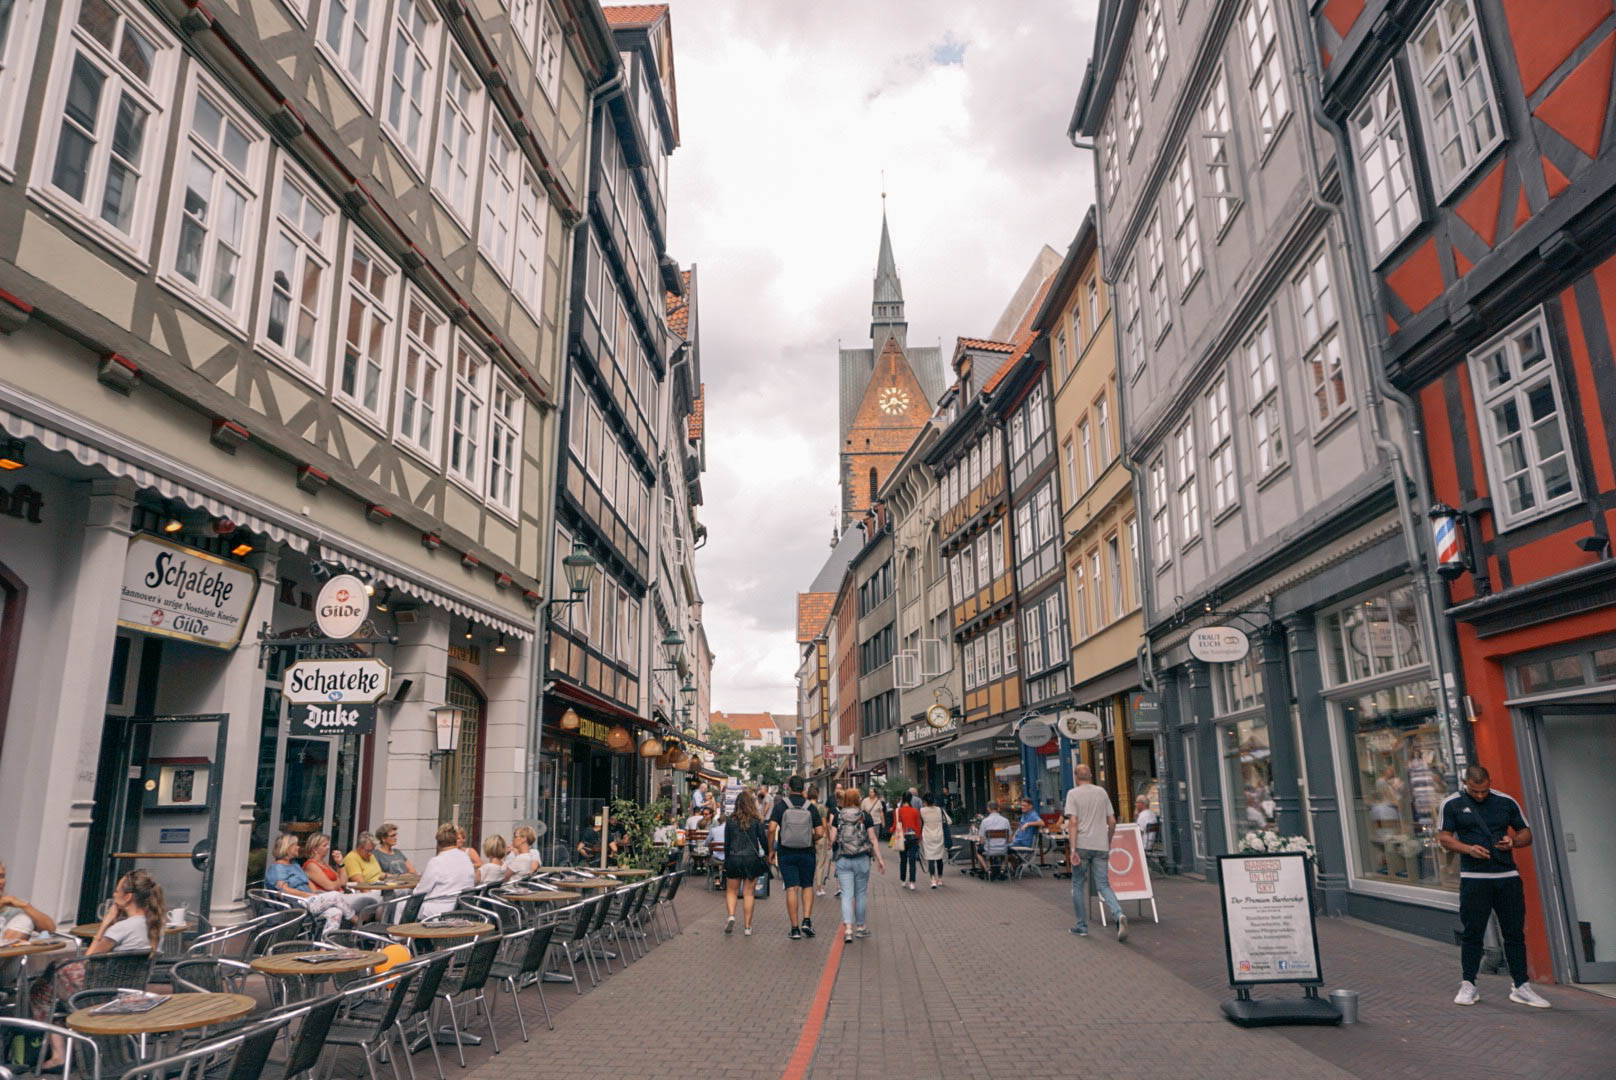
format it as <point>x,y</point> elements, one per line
<point>1130,877</point>
<point>1268,919</point>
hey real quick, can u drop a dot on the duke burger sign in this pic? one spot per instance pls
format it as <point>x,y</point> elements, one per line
<point>335,697</point>
<point>177,591</point>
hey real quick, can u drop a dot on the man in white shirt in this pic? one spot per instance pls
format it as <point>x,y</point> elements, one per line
<point>446,875</point>
<point>1147,820</point>
<point>994,845</point>
<point>1090,822</point>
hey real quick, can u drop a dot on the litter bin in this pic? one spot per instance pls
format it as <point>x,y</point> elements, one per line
<point>1347,1002</point>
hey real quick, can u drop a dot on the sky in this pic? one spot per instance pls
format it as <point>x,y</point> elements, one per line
<point>794,117</point>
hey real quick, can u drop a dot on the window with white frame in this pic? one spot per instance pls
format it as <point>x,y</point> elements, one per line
<point>1130,106</point>
<point>1097,594</point>
<point>502,174</point>
<point>505,445</point>
<point>1159,532</point>
<point>1262,375</point>
<point>347,37</point>
<point>984,561</point>
<point>1161,315</point>
<point>981,650</point>
<point>1189,495</point>
<point>217,180</point>
<point>1155,42</point>
<point>1528,445</point>
<point>102,133</point>
<point>1133,558</point>
<point>1267,64</point>
<point>967,561</point>
<point>1110,160</point>
<point>1011,656</point>
<point>458,126</point>
<point>997,546</point>
<point>407,106</point>
<point>1085,457</point>
<point>1054,630</point>
<point>995,653</point>
<point>533,214</point>
<point>1061,363</point>
<point>1217,129</point>
<point>468,402</point>
<point>548,67</point>
<point>1102,431</point>
<point>1080,600</point>
<point>19,36</point>
<point>1380,140</point>
<point>1134,329</point>
<point>302,244</point>
<point>1113,565</point>
<point>369,299</point>
<point>422,358</point>
<point>578,420</point>
<point>1094,305</point>
<point>1220,440</point>
<point>598,440</point>
<point>1455,91</point>
<point>955,581</point>
<point>1186,235</point>
<point>1032,635</point>
<point>1321,338</point>
<point>524,21</point>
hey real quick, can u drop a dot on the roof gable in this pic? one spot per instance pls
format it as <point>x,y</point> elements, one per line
<point>893,399</point>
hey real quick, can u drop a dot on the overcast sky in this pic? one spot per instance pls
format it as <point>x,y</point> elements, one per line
<point>789,113</point>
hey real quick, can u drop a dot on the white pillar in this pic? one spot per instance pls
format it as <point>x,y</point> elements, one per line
<point>506,736</point>
<point>406,782</point>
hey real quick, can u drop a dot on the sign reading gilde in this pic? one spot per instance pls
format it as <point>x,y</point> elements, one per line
<point>342,607</point>
<point>1219,644</point>
<point>180,592</point>
<point>357,681</point>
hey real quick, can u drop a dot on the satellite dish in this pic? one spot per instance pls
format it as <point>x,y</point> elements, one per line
<point>539,828</point>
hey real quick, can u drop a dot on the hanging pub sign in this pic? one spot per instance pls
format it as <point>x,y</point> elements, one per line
<point>1219,644</point>
<point>1144,713</point>
<point>176,591</point>
<point>362,680</point>
<point>1079,725</point>
<point>342,607</point>
<point>334,718</point>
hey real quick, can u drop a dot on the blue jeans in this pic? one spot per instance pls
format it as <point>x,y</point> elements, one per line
<point>1098,864</point>
<point>854,874</point>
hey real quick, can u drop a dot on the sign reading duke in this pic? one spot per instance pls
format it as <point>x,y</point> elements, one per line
<point>176,591</point>
<point>333,719</point>
<point>358,681</point>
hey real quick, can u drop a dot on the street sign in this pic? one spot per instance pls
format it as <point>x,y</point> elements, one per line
<point>334,718</point>
<point>1079,725</point>
<point>1219,644</point>
<point>1034,731</point>
<point>356,681</point>
<point>342,607</point>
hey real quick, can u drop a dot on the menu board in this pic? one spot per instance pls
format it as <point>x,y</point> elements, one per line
<point>1268,932</point>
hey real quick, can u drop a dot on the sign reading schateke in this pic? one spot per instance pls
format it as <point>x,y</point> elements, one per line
<point>1268,919</point>
<point>356,681</point>
<point>176,591</point>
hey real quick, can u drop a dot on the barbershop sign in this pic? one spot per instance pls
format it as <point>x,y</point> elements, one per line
<point>335,697</point>
<point>176,591</point>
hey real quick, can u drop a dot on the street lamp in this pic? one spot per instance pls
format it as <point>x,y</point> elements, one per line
<point>673,647</point>
<point>580,568</point>
<point>687,694</point>
<point>446,727</point>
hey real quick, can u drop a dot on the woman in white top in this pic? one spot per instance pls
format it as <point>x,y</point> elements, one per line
<point>133,923</point>
<point>447,874</point>
<point>493,868</point>
<point>932,847</point>
<point>522,860</point>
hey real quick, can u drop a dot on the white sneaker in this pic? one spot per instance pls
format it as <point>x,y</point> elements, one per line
<point>1467,995</point>
<point>1525,995</point>
<point>911,886</point>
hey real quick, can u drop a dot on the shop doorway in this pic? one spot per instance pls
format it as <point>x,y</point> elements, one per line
<point>460,791</point>
<point>1574,745</point>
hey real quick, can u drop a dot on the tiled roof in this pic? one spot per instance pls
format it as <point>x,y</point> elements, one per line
<point>633,16</point>
<point>750,725</point>
<point>697,420</point>
<point>813,613</point>
<point>1025,335</point>
<point>984,345</point>
<point>678,307</point>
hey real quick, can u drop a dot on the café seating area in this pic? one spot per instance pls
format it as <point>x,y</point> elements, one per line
<point>278,996</point>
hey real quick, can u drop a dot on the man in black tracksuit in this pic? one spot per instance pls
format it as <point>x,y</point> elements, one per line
<point>1486,827</point>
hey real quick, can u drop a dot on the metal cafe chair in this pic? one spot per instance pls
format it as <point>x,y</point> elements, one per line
<point>535,945</point>
<point>78,1046</point>
<point>469,984</point>
<point>373,1034</point>
<point>573,926</point>
<point>998,861</point>
<point>664,906</point>
<point>118,1052</point>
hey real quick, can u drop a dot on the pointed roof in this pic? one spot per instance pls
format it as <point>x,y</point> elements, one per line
<point>888,289</point>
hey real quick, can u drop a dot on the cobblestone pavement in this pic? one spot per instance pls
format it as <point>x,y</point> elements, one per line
<point>982,980</point>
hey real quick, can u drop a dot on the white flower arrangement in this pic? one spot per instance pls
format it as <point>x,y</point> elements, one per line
<point>1268,841</point>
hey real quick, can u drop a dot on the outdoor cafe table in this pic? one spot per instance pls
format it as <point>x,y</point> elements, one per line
<point>293,967</point>
<point>592,883</point>
<point>403,881</point>
<point>22,951</point>
<point>181,1012</point>
<point>629,872</point>
<point>424,931</point>
<point>542,896</point>
<point>88,930</point>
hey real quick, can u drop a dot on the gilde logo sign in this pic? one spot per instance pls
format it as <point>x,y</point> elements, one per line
<point>342,607</point>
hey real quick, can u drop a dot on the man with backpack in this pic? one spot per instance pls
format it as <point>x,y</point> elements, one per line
<point>794,826</point>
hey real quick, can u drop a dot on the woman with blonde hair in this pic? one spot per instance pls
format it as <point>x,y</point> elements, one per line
<point>854,842</point>
<point>326,874</point>
<point>284,875</point>
<point>522,860</point>
<point>746,849</point>
<point>493,868</point>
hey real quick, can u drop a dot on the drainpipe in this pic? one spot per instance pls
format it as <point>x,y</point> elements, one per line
<point>1416,535</point>
<point>601,94</point>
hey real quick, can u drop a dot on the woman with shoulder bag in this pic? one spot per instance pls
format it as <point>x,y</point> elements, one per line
<point>853,840</point>
<point>906,831</point>
<point>746,849</point>
<point>934,822</point>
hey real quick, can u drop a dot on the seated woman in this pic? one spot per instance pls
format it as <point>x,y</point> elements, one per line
<point>493,869</point>
<point>19,918</point>
<point>394,862</point>
<point>327,874</point>
<point>448,874</point>
<point>471,852</point>
<point>284,875</point>
<point>522,860</point>
<point>133,923</point>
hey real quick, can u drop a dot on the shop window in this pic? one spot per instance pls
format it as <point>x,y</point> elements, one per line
<point>1248,776</point>
<point>1374,636</point>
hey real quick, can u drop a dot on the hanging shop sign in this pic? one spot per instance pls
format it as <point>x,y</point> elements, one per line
<point>1034,732</point>
<point>1004,744</point>
<point>334,718</point>
<point>1219,644</point>
<point>355,681</point>
<point>1268,932</point>
<point>342,607</point>
<point>1144,713</point>
<point>175,591</point>
<point>1079,725</point>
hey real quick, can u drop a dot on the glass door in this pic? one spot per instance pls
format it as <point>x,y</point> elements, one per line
<point>1575,747</point>
<point>1192,772</point>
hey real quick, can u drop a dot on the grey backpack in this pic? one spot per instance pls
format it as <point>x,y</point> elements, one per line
<point>852,838</point>
<point>797,825</point>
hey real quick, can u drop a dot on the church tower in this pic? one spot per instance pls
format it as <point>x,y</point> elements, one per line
<point>887,392</point>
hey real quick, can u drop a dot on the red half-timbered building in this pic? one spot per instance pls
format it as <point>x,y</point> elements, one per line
<point>1484,180</point>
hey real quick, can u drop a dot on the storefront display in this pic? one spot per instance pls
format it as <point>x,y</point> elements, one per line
<point>1248,777</point>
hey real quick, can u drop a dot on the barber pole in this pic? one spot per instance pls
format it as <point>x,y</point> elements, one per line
<point>1450,561</point>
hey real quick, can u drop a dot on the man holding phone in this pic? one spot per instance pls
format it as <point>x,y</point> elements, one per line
<point>1486,827</point>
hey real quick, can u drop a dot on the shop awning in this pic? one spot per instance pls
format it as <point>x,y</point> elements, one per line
<point>111,453</point>
<point>973,744</point>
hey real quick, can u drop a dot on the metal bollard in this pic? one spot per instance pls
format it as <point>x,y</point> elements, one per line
<point>1347,1002</point>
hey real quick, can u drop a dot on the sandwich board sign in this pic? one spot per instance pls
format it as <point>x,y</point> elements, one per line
<point>1129,872</point>
<point>1269,936</point>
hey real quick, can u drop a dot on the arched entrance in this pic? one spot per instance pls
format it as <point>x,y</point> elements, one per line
<point>12,594</point>
<point>460,796</point>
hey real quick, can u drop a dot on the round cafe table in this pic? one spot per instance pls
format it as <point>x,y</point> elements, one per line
<point>430,932</point>
<point>23,952</point>
<point>591,883</point>
<point>403,881</point>
<point>293,964</point>
<point>181,1012</point>
<point>629,872</point>
<point>88,930</point>
<point>542,896</point>
<point>30,948</point>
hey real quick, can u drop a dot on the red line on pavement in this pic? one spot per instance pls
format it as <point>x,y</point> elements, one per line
<point>814,1023</point>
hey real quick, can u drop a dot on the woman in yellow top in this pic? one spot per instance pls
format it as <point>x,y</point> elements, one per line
<point>361,864</point>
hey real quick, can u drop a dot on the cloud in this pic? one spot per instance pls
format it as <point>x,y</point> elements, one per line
<point>793,118</point>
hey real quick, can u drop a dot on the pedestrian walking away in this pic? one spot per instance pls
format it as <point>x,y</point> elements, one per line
<point>794,827</point>
<point>1486,828</point>
<point>746,853</point>
<point>1090,823</point>
<point>907,825</point>
<point>824,865</point>
<point>933,837</point>
<point>854,842</point>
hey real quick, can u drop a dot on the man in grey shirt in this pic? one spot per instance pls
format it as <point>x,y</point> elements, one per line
<point>1090,823</point>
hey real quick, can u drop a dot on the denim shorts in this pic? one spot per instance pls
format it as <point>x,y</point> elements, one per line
<point>797,868</point>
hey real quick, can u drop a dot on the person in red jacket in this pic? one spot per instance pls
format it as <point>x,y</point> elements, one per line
<point>908,825</point>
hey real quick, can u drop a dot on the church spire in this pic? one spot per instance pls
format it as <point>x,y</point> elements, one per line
<point>886,308</point>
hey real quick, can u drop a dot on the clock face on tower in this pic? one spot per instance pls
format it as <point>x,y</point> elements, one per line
<point>894,400</point>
